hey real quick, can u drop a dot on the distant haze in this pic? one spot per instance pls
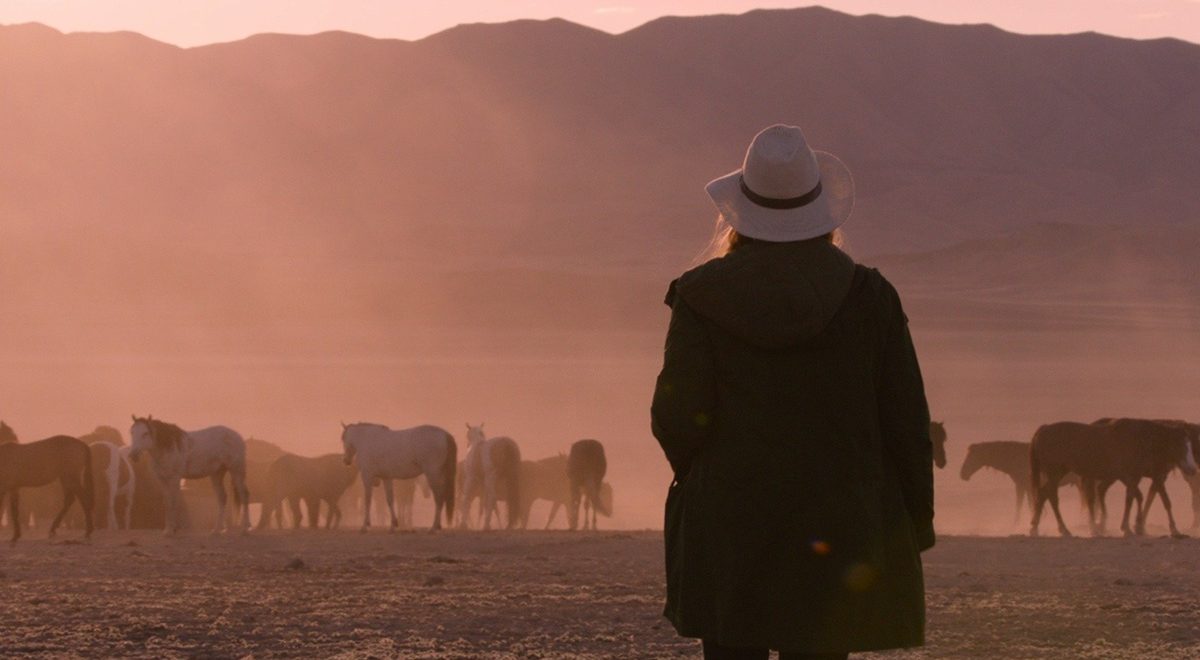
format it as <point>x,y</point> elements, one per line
<point>195,22</point>
<point>285,232</point>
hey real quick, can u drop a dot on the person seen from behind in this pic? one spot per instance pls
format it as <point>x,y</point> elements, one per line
<point>792,411</point>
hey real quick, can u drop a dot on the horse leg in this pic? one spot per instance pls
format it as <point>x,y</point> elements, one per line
<point>554,507</point>
<point>241,497</point>
<point>334,512</point>
<point>1194,485</point>
<point>573,507</point>
<point>1038,505</point>
<point>218,484</point>
<point>489,500</point>
<point>366,482</point>
<point>593,498</point>
<point>69,491</point>
<point>1125,516</point>
<point>294,507</point>
<point>313,505</point>
<point>111,522</point>
<point>1052,495</point>
<point>1159,485</point>
<point>1139,527</point>
<point>88,502</point>
<point>390,497</point>
<point>437,490</point>
<point>14,513</point>
<point>1020,500</point>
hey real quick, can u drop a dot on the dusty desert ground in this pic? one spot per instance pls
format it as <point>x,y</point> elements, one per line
<point>544,595</point>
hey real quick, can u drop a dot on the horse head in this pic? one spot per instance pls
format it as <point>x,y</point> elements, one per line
<point>937,434</point>
<point>605,505</point>
<point>141,436</point>
<point>971,464</point>
<point>475,434</point>
<point>1191,450</point>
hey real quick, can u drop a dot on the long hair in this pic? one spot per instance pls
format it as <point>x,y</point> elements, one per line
<point>726,239</point>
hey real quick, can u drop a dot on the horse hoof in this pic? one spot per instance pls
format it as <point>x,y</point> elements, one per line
<point>362,530</point>
<point>1179,535</point>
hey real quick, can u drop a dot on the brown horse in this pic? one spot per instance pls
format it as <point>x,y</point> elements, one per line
<point>1011,458</point>
<point>586,467</point>
<point>311,480</point>
<point>61,457</point>
<point>1161,437</point>
<point>937,435</point>
<point>1124,450</point>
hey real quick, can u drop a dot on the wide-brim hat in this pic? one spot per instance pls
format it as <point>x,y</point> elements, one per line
<point>784,191</point>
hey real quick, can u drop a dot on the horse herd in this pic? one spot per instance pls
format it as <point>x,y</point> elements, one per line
<point>491,472</point>
<point>1093,457</point>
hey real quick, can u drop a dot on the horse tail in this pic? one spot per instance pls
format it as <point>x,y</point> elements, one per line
<point>449,476</point>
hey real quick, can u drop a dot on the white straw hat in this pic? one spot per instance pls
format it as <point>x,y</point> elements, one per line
<point>784,191</point>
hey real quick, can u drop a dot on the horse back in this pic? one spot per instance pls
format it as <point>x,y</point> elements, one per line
<point>39,463</point>
<point>504,453</point>
<point>586,461</point>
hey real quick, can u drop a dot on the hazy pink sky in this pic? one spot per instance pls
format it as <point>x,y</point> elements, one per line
<point>192,22</point>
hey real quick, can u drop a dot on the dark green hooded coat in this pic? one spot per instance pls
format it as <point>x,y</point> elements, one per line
<point>791,408</point>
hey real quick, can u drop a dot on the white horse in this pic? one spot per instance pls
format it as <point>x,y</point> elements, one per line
<point>119,477</point>
<point>383,454</point>
<point>489,463</point>
<point>178,454</point>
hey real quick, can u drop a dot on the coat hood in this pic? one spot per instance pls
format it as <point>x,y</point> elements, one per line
<point>771,295</point>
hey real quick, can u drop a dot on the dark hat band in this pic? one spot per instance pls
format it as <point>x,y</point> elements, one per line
<point>777,203</point>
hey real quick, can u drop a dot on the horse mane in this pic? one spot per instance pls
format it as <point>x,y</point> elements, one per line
<point>166,435</point>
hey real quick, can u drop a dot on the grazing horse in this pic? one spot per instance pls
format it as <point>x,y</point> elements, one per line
<point>38,463</point>
<point>1124,450</point>
<point>586,467</point>
<point>937,435</point>
<point>1011,458</point>
<point>113,463</point>
<point>299,479</point>
<point>489,464</point>
<point>178,454</point>
<point>385,454</point>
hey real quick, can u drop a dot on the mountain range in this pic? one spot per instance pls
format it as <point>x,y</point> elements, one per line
<point>306,179</point>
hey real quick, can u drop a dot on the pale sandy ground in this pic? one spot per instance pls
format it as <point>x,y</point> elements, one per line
<point>545,595</point>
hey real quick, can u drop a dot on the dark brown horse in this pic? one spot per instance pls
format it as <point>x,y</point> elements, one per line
<point>1011,458</point>
<point>937,435</point>
<point>295,479</point>
<point>1125,450</point>
<point>586,467</point>
<point>61,458</point>
<point>1161,436</point>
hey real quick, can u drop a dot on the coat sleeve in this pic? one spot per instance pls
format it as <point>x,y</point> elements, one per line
<point>681,415</point>
<point>904,421</point>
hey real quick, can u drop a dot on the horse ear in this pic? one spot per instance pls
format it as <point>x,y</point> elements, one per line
<point>133,417</point>
<point>343,425</point>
